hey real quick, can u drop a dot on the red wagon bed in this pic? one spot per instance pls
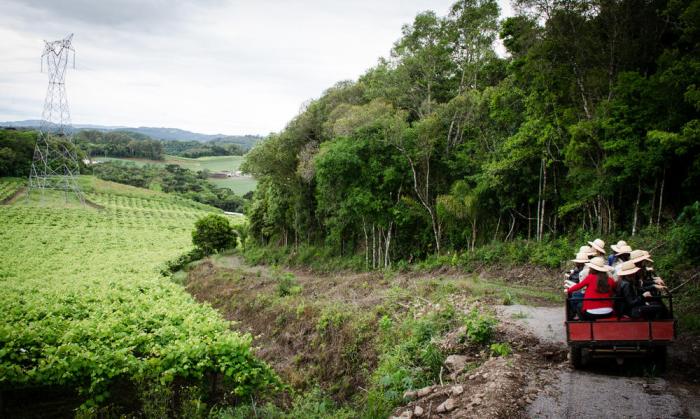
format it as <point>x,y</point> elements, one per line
<point>620,337</point>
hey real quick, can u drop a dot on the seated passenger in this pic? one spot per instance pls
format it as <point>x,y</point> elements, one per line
<point>598,285</point>
<point>589,252</point>
<point>598,247</point>
<point>633,301</point>
<point>616,249</point>
<point>620,257</point>
<point>574,277</point>
<point>650,283</point>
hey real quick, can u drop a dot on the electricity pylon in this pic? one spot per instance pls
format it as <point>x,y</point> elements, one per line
<point>55,164</point>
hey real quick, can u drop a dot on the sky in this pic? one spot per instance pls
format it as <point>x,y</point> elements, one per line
<point>211,66</point>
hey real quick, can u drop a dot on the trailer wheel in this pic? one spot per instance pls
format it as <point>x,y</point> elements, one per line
<point>658,357</point>
<point>575,357</point>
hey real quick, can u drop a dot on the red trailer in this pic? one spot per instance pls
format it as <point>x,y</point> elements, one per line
<point>620,337</point>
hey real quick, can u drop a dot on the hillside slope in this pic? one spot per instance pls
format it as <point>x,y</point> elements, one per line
<point>84,305</point>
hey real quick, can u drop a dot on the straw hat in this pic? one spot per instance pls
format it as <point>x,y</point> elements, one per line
<point>616,247</point>
<point>627,268</point>
<point>586,250</point>
<point>598,245</point>
<point>621,250</point>
<point>581,258</point>
<point>639,255</point>
<point>598,264</point>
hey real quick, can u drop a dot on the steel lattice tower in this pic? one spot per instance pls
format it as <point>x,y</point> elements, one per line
<point>55,164</point>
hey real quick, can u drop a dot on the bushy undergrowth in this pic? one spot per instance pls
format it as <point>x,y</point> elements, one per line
<point>318,258</point>
<point>411,357</point>
<point>310,405</point>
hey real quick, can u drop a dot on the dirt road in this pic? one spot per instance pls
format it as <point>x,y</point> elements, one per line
<point>580,394</point>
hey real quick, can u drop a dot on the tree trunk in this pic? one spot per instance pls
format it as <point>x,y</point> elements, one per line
<point>653,203</point>
<point>473,233</point>
<point>512,226</point>
<point>544,201</point>
<point>374,249</point>
<point>636,208</point>
<point>539,202</point>
<point>498,225</point>
<point>661,198</point>
<point>388,244</point>
<point>364,229</point>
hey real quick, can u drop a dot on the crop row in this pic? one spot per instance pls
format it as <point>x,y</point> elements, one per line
<point>83,303</point>
<point>9,186</point>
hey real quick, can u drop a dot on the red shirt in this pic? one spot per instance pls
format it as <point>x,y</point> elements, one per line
<point>590,283</point>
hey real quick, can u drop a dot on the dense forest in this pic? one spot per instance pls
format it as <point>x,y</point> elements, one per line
<point>16,152</point>
<point>194,149</point>
<point>590,122</point>
<point>118,144</point>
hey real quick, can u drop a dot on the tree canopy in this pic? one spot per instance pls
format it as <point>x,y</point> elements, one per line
<point>590,121</point>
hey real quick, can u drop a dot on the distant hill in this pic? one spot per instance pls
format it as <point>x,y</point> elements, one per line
<point>176,134</point>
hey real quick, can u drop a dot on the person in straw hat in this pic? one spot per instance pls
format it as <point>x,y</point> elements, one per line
<point>616,249</point>
<point>598,284</point>
<point>573,277</point>
<point>598,245</point>
<point>590,253</point>
<point>651,283</point>
<point>642,259</point>
<point>632,299</point>
<point>621,255</point>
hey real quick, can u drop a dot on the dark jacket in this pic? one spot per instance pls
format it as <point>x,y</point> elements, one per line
<point>630,297</point>
<point>648,282</point>
<point>575,274</point>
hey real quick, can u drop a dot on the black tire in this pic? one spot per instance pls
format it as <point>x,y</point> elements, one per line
<point>576,357</point>
<point>658,357</point>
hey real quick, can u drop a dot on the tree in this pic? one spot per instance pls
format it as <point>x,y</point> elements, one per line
<point>213,233</point>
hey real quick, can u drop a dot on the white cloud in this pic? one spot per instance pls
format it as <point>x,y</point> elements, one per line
<point>233,67</point>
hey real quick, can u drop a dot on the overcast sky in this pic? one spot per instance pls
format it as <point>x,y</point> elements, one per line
<point>211,66</point>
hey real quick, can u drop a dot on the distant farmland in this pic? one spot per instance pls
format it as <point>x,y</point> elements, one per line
<point>239,185</point>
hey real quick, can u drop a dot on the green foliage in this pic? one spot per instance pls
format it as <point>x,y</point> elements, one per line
<point>500,349</point>
<point>118,144</point>
<point>685,237</point>
<point>170,178</point>
<point>287,285</point>
<point>331,319</point>
<point>16,152</point>
<point>214,233</point>
<point>107,316</point>
<point>312,404</point>
<point>479,327</point>
<point>9,186</point>
<point>182,261</point>
<point>445,147</point>
<point>410,359</point>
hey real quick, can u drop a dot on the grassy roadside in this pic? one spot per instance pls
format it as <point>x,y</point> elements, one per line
<point>538,265</point>
<point>350,344</point>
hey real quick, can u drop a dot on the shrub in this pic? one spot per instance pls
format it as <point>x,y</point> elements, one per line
<point>213,233</point>
<point>287,285</point>
<point>479,327</point>
<point>500,349</point>
<point>181,261</point>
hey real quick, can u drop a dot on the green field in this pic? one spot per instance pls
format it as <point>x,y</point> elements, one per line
<point>9,186</point>
<point>84,303</point>
<point>240,186</point>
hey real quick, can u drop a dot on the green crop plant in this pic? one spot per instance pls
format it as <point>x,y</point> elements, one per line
<point>84,304</point>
